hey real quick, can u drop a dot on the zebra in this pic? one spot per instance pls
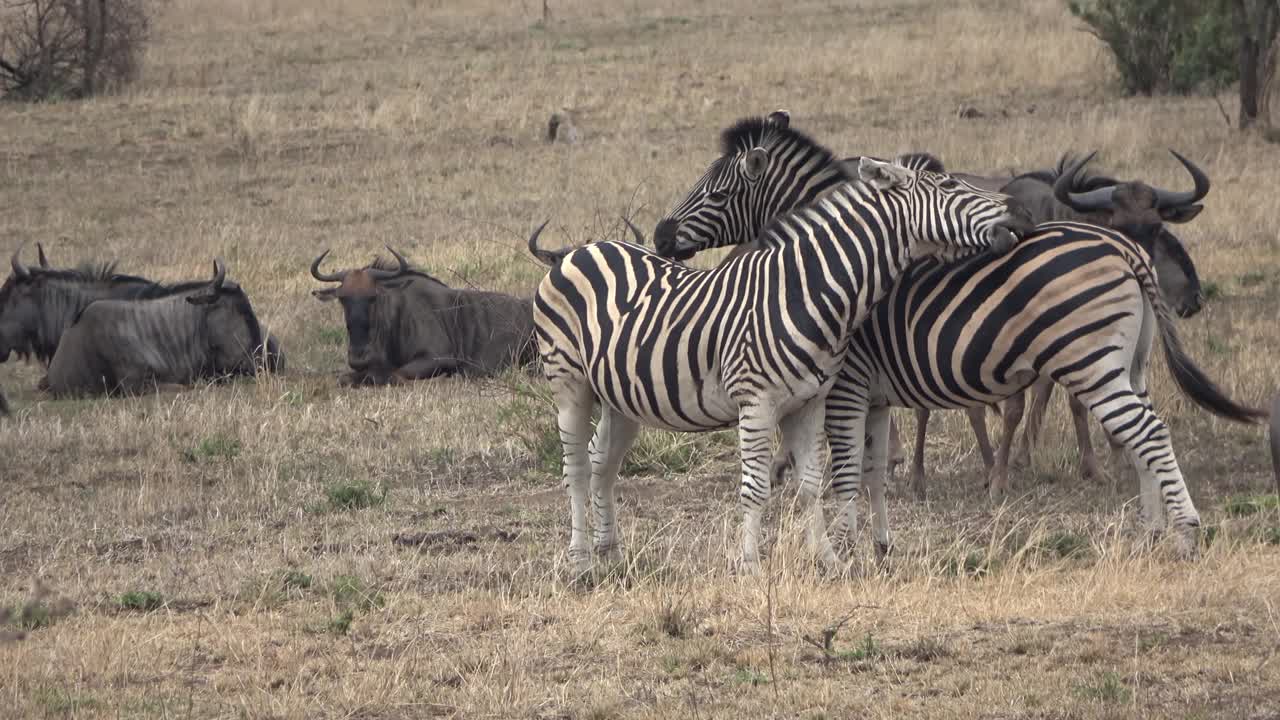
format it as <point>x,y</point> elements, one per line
<point>979,332</point>
<point>754,343</point>
<point>1074,302</point>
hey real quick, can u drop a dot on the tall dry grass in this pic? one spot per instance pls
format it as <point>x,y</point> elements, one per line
<point>323,552</point>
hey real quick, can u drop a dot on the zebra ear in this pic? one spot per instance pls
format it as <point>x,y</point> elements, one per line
<point>882,175</point>
<point>754,163</point>
<point>779,118</point>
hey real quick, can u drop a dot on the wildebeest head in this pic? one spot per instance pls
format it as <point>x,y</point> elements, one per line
<point>233,334</point>
<point>358,291</point>
<point>36,304</point>
<point>1141,211</point>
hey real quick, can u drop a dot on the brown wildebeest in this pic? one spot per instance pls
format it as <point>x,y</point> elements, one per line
<point>403,324</point>
<point>38,304</point>
<point>131,346</point>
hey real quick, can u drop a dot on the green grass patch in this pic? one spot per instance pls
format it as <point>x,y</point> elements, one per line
<point>354,495</point>
<point>1245,505</point>
<point>332,336</point>
<point>747,676</point>
<point>140,600</point>
<point>1210,290</point>
<point>867,650</point>
<point>213,448</point>
<point>63,702</point>
<point>1107,688</point>
<point>296,580</point>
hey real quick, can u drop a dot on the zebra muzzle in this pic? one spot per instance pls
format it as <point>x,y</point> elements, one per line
<point>1002,240</point>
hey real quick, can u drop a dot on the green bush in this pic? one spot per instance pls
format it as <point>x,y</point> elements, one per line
<point>1177,46</point>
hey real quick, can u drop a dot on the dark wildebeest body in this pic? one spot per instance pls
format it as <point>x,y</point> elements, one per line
<point>131,346</point>
<point>38,305</point>
<point>403,324</point>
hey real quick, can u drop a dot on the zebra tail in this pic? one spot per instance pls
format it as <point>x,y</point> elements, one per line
<point>550,258</point>
<point>4,406</point>
<point>1191,380</point>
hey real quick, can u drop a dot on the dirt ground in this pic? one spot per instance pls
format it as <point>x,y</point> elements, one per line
<point>285,548</point>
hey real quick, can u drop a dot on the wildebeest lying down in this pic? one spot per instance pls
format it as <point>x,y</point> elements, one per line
<point>131,346</point>
<point>403,324</point>
<point>38,304</point>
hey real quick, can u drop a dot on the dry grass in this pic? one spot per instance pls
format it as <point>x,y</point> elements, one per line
<point>323,552</point>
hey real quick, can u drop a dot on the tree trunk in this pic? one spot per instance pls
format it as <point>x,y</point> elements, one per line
<point>1257,23</point>
<point>93,19</point>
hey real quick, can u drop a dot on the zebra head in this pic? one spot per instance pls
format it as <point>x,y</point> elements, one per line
<point>765,169</point>
<point>942,216</point>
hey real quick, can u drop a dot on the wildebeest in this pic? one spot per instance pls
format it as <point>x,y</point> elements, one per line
<point>38,304</point>
<point>403,324</point>
<point>130,346</point>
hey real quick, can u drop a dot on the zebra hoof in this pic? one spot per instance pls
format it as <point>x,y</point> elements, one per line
<point>882,552</point>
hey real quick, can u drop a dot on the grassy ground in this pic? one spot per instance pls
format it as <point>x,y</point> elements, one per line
<point>286,548</point>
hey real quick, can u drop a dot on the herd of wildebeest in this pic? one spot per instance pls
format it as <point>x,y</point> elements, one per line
<point>857,285</point>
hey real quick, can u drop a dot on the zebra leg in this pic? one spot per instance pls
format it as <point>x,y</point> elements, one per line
<point>1011,414</point>
<point>846,434</point>
<point>878,428</point>
<point>918,481</point>
<point>1153,514</point>
<point>614,436</point>
<point>1089,469</point>
<point>574,405</point>
<point>897,455</point>
<point>756,424</point>
<point>978,421</point>
<point>1127,418</point>
<point>1042,391</point>
<point>802,439</point>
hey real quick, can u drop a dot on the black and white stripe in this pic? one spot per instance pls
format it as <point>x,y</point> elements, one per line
<point>754,343</point>
<point>1075,303</point>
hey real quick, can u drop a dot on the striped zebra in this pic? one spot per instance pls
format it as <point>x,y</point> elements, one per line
<point>754,343</point>
<point>1075,302</point>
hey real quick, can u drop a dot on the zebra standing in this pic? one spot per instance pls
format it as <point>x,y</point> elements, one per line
<point>755,342</point>
<point>1075,303</point>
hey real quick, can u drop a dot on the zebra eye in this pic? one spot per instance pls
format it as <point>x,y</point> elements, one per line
<point>717,197</point>
<point>949,184</point>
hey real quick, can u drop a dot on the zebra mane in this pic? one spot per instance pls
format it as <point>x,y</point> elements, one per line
<point>921,161</point>
<point>755,131</point>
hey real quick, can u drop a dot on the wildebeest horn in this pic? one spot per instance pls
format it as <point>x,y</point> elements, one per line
<point>1099,199</point>
<point>44,261</point>
<point>219,273</point>
<point>1169,199</point>
<point>634,231</point>
<point>19,269</point>
<point>388,274</point>
<point>331,277</point>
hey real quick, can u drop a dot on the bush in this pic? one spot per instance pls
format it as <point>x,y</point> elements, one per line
<point>69,48</point>
<point>1178,46</point>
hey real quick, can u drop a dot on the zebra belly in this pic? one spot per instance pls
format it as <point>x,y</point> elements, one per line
<point>695,406</point>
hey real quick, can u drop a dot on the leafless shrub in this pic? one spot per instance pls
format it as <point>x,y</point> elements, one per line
<point>69,48</point>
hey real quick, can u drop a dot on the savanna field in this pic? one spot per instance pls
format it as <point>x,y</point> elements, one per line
<point>287,548</point>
